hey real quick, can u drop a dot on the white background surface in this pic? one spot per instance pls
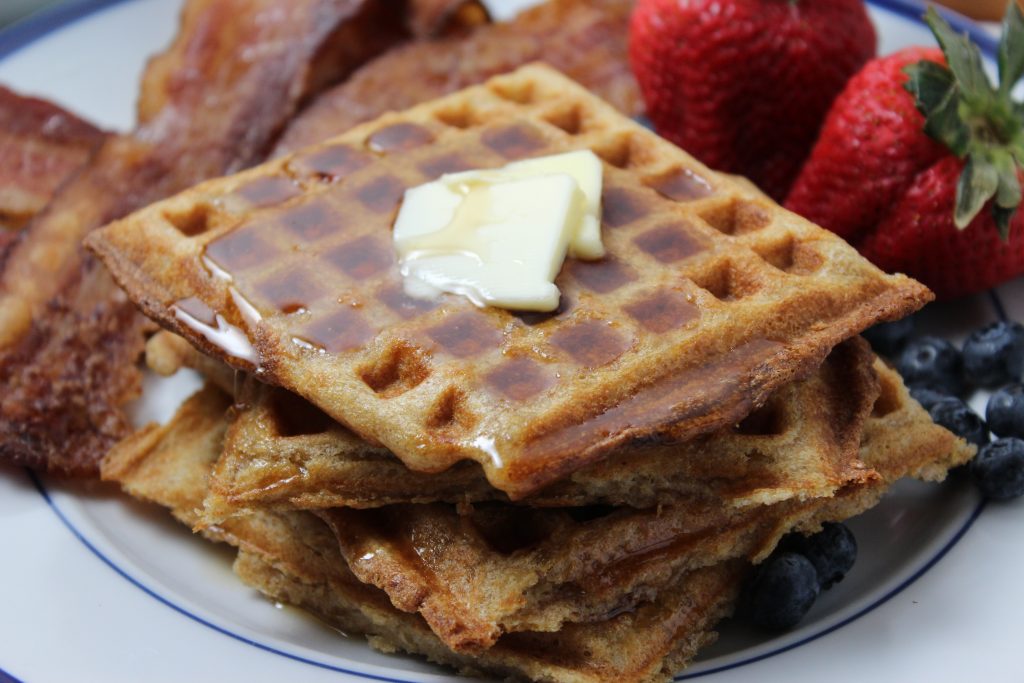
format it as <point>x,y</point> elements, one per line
<point>70,615</point>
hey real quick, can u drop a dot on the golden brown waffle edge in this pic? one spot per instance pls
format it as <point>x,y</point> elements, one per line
<point>280,451</point>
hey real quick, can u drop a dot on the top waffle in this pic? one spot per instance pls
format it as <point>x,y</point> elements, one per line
<point>711,296</point>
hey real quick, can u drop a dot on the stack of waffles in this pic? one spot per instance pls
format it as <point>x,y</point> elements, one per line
<point>569,496</point>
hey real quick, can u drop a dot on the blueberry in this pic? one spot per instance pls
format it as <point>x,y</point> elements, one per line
<point>832,551</point>
<point>782,591</point>
<point>998,469</point>
<point>889,339</point>
<point>927,397</point>
<point>932,363</point>
<point>1005,411</point>
<point>994,355</point>
<point>957,417</point>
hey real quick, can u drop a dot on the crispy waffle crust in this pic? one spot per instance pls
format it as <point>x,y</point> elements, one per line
<point>707,286</point>
<point>900,439</point>
<point>479,572</point>
<point>293,557</point>
<point>281,451</point>
<point>170,463</point>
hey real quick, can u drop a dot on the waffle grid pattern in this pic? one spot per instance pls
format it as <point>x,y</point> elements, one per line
<point>708,283</point>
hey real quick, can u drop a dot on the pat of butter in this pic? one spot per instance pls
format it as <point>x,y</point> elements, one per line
<point>499,237</point>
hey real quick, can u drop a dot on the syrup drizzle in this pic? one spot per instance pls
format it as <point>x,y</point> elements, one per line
<point>216,270</point>
<point>681,185</point>
<point>225,336</point>
<point>249,313</point>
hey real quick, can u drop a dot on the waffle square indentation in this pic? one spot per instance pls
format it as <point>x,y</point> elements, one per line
<point>465,334</point>
<point>519,379</point>
<point>514,141</point>
<point>241,249</point>
<point>621,207</point>
<point>399,137</point>
<point>291,290</point>
<point>268,191</point>
<point>381,194</point>
<point>362,257</point>
<point>312,221</point>
<point>591,343</point>
<point>603,276</point>
<point>669,243</point>
<point>343,330</point>
<point>663,310</point>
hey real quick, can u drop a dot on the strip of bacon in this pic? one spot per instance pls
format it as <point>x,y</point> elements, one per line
<point>41,145</point>
<point>213,103</point>
<point>585,39</point>
<point>438,18</point>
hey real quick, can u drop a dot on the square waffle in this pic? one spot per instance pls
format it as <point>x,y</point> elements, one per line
<point>710,299</point>
<point>292,557</point>
<point>281,451</point>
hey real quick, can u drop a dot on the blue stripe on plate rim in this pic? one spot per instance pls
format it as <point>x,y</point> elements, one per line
<point>25,32</point>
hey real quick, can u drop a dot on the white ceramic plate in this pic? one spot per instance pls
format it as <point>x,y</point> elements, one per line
<point>99,588</point>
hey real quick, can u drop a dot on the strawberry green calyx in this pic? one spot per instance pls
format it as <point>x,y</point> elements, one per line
<point>979,123</point>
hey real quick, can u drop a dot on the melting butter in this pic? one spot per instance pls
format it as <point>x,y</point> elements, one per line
<point>499,237</point>
<point>585,169</point>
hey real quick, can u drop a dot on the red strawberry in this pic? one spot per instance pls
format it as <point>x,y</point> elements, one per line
<point>918,237</point>
<point>744,84</point>
<point>934,196</point>
<point>870,148</point>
